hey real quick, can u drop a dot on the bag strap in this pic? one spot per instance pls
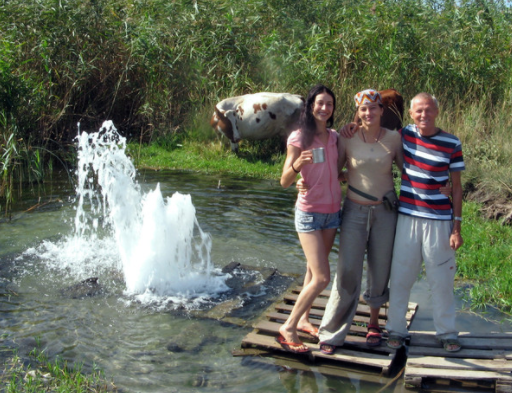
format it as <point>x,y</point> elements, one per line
<point>363,194</point>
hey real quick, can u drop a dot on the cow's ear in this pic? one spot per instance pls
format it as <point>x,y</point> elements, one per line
<point>219,112</point>
<point>230,114</point>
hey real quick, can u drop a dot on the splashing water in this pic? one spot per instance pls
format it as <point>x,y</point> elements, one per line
<point>156,243</point>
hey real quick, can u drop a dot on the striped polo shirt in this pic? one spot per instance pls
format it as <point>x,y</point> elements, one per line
<point>427,164</point>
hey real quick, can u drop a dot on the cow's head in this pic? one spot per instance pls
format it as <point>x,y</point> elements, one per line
<point>223,122</point>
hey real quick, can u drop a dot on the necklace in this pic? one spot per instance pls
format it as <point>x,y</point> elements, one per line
<point>375,139</point>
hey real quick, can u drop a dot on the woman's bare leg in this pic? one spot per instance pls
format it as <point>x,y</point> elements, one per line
<point>304,323</point>
<point>314,246</point>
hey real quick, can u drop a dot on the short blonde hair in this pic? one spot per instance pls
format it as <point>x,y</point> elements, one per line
<point>426,96</point>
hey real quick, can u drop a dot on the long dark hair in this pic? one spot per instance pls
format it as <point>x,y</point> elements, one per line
<point>307,120</point>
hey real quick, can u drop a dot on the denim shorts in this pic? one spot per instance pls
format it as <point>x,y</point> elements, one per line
<point>309,222</point>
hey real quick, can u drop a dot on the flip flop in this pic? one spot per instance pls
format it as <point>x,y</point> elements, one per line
<point>313,332</point>
<point>291,346</point>
<point>377,334</point>
<point>327,349</point>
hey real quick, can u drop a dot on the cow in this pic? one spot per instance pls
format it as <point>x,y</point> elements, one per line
<point>393,110</point>
<point>257,116</point>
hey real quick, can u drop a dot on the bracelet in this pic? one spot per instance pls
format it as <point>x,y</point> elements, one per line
<point>458,219</point>
<point>295,170</point>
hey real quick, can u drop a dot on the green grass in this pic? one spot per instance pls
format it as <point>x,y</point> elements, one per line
<point>485,261</point>
<point>39,374</point>
<point>210,157</point>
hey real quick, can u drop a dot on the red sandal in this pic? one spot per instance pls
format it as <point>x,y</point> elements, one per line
<point>373,335</point>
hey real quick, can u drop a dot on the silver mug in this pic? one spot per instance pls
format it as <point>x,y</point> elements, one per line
<point>318,155</point>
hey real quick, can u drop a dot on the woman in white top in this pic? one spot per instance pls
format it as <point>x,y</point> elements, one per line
<point>368,224</point>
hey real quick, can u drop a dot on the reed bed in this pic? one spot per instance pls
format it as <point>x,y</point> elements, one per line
<point>151,65</point>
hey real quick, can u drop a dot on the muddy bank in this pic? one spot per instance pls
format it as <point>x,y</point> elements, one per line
<point>494,207</point>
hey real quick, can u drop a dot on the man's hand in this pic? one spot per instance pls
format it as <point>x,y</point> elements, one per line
<point>348,130</point>
<point>343,176</point>
<point>456,240</point>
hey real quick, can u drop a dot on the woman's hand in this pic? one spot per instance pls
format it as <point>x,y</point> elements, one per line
<point>302,187</point>
<point>348,130</point>
<point>306,157</point>
<point>295,160</point>
<point>446,190</point>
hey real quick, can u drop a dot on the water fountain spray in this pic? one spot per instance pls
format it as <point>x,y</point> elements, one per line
<point>155,242</point>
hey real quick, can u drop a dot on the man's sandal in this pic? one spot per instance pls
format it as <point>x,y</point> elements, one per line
<point>395,341</point>
<point>451,344</point>
<point>327,349</point>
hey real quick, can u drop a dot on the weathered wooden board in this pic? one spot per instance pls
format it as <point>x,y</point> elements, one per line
<point>471,334</point>
<point>264,358</point>
<point>368,359</point>
<point>415,375</point>
<point>498,365</point>
<point>363,310</point>
<point>463,353</point>
<point>482,359</point>
<point>272,328</point>
<point>282,311</point>
<point>467,340</point>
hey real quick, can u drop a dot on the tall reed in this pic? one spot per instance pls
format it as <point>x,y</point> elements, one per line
<point>146,65</point>
<point>151,66</point>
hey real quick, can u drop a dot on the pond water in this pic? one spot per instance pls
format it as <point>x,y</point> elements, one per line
<point>155,346</point>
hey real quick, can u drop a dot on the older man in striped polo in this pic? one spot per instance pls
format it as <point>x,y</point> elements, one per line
<point>429,224</point>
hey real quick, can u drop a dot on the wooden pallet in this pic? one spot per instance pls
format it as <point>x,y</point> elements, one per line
<point>354,352</point>
<point>483,364</point>
<point>485,361</point>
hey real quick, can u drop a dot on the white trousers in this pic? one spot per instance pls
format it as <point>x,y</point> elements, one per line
<point>420,240</point>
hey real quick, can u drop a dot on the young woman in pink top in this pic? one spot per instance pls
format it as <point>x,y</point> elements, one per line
<point>317,212</point>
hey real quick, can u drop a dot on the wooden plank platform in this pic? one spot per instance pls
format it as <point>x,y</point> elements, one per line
<point>483,361</point>
<point>483,365</point>
<point>354,352</point>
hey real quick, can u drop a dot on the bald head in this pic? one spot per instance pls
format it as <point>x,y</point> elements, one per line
<point>424,111</point>
<point>427,97</point>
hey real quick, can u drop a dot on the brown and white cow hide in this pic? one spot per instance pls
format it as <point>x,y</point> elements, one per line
<point>257,116</point>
